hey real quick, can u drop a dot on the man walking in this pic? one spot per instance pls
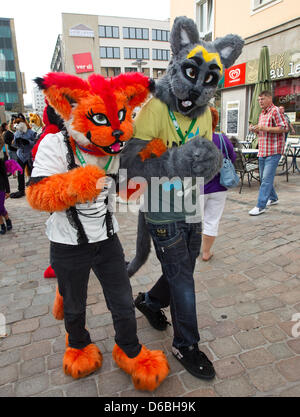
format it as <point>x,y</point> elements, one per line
<point>271,130</point>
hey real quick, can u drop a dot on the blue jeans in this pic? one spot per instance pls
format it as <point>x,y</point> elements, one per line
<point>267,171</point>
<point>177,247</point>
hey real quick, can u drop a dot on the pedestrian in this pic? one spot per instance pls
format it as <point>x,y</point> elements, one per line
<point>287,119</point>
<point>8,136</point>
<point>24,141</point>
<point>3,144</point>
<point>271,130</point>
<point>214,194</point>
<point>4,193</point>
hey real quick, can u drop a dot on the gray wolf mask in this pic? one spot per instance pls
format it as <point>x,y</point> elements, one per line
<point>195,69</point>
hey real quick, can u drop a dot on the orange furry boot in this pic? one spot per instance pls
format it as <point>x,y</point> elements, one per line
<point>58,306</point>
<point>148,369</point>
<point>79,363</point>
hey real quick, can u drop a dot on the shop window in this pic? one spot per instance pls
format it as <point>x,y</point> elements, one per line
<point>110,71</point>
<point>287,93</point>
<point>158,72</point>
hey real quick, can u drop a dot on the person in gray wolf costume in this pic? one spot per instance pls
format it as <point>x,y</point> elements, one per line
<point>161,149</point>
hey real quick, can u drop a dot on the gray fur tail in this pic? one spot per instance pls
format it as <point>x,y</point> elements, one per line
<point>143,246</point>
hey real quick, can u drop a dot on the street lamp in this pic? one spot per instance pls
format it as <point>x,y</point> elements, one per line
<point>139,62</point>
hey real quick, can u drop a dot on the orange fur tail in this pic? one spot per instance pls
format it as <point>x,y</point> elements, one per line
<point>58,306</point>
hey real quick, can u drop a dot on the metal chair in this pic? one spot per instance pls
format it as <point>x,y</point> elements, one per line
<point>243,167</point>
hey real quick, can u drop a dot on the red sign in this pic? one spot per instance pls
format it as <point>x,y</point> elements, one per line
<point>235,75</point>
<point>83,63</point>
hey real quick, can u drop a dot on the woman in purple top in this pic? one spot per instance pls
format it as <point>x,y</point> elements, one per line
<point>214,196</point>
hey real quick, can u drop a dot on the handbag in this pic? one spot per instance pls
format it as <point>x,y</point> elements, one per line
<point>228,177</point>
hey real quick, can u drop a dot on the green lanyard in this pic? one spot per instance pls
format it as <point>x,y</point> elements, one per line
<point>82,160</point>
<point>178,130</point>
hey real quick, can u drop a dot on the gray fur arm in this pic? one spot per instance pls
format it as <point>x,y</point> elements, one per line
<point>199,157</point>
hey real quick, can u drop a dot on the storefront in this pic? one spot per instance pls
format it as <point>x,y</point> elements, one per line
<point>239,82</point>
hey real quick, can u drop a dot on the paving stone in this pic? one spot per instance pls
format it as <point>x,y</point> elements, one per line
<point>280,351</point>
<point>256,357</point>
<point>291,392</point>
<point>32,386</point>
<point>171,387</point>
<point>225,346</point>
<point>238,387</point>
<point>294,345</point>
<point>247,308</point>
<point>46,333</point>
<point>25,326</point>
<point>32,367</point>
<point>266,379</point>
<point>228,367</point>
<point>290,368</point>
<point>270,303</point>
<point>202,392</point>
<point>113,382</point>
<point>8,374</point>
<point>36,350</point>
<point>247,323</point>
<point>250,339</point>
<point>84,388</point>
<point>36,311</point>
<point>7,391</point>
<point>9,357</point>
<point>15,341</point>
<point>272,334</point>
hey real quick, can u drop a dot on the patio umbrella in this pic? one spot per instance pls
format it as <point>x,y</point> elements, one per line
<point>263,83</point>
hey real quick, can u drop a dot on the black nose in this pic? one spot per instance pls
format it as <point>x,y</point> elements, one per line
<point>194,95</point>
<point>117,133</point>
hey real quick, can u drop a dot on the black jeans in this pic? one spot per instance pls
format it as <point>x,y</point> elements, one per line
<point>21,176</point>
<point>177,247</point>
<point>72,265</point>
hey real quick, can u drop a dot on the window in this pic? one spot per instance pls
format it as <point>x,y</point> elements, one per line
<point>7,76</point>
<point>5,32</point>
<point>108,31</point>
<point>258,4</point>
<point>160,35</point>
<point>110,71</point>
<point>130,69</point>
<point>158,72</point>
<point>160,54</point>
<point>109,52</point>
<point>135,33</point>
<point>204,18</point>
<point>6,54</point>
<point>134,53</point>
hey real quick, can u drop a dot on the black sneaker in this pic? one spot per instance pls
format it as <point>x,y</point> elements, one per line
<point>157,319</point>
<point>3,229</point>
<point>194,361</point>
<point>18,194</point>
<point>8,224</point>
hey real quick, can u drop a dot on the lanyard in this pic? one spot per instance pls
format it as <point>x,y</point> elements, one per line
<point>82,160</point>
<point>178,130</point>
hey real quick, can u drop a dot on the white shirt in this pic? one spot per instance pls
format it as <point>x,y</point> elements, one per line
<point>51,159</point>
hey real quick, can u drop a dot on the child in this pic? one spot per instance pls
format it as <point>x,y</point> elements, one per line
<point>4,193</point>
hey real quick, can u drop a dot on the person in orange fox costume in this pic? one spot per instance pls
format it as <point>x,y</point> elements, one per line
<point>71,179</point>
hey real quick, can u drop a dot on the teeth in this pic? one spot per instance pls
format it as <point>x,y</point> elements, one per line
<point>186,103</point>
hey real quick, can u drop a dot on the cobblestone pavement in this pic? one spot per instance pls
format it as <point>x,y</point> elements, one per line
<point>246,298</point>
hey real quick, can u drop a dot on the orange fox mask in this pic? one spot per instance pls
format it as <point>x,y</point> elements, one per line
<point>97,112</point>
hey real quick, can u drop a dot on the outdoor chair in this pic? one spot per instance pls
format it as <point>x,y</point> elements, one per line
<point>243,167</point>
<point>283,162</point>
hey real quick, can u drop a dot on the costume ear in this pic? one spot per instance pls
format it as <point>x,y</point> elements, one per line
<point>183,33</point>
<point>135,85</point>
<point>62,91</point>
<point>230,48</point>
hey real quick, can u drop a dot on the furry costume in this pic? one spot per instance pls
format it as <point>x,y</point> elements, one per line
<point>97,117</point>
<point>171,133</point>
<point>36,123</point>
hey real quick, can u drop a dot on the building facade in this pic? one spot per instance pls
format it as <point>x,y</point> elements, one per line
<point>110,45</point>
<point>274,23</point>
<point>11,85</point>
<point>38,101</point>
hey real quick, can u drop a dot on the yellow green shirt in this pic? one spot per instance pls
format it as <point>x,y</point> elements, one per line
<point>154,121</point>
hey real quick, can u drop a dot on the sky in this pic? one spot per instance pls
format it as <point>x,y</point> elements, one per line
<point>38,23</point>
